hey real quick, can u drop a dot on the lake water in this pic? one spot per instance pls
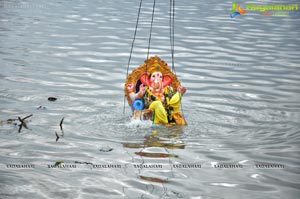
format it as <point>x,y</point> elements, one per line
<point>242,105</point>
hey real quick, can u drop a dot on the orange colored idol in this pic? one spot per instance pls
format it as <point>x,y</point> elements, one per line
<point>154,92</point>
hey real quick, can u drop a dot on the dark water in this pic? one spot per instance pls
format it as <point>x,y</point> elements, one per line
<point>242,104</point>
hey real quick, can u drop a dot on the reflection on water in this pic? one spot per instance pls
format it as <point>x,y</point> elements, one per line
<point>150,151</point>
<point>153,140</point>
<point>242,104</point>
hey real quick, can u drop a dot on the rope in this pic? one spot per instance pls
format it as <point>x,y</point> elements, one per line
<point>172,32</point>
<point>149,42</point>
<point>172,40</point>
<point>132,44</point>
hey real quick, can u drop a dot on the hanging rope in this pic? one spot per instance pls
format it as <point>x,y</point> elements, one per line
<point>149,42</point>
<point>172,40</point>
<point>134,36</point>
<point>172,32</point>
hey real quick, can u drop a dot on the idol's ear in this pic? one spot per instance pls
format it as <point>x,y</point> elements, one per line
<point>167,80</point>
<point>145,79</point>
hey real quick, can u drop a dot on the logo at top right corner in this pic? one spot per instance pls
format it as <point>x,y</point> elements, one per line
<point>236,9</point>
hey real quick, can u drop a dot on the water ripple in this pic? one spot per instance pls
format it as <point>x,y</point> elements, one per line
<point>242,103</point>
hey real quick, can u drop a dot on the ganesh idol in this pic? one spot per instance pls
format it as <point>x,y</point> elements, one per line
<point>159,92</point>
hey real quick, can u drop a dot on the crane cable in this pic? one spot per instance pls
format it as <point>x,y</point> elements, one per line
<point>172,31</point>
<point>172,38</point>
<point>132,44</point>
<point>172,41</point>
<point>150,35</point>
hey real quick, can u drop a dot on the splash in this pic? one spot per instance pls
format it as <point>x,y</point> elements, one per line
<point>134,123</point>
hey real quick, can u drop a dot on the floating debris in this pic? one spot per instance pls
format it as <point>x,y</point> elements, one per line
<point>27,117</point>
<point>153,179</point>
<point>61,128</point>
<point>57,137</point>
<point>52,99</point>
<point>41,108</point>
<point>133,145</point>
<point>15,122</point>
<point>106,149</point>
<point>154,143</point>
<point>87,163</point>
<point>59,162</point>
<point>156,155</point>
<point>9,121</point>
<point>60,124</point>
<point>23,122</point>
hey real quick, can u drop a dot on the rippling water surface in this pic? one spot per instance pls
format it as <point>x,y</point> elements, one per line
<point>242,104</point>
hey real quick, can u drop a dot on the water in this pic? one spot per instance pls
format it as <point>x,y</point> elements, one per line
<point>242,104</point>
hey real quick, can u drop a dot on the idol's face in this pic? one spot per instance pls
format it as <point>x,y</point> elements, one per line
<point>156,77</point>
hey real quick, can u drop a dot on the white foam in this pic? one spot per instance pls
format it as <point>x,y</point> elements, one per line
<point>134,123</point>
<point>224,184</point>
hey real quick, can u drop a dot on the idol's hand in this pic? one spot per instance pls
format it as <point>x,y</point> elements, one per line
<point>181,89</point>
<point>130,87</point>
